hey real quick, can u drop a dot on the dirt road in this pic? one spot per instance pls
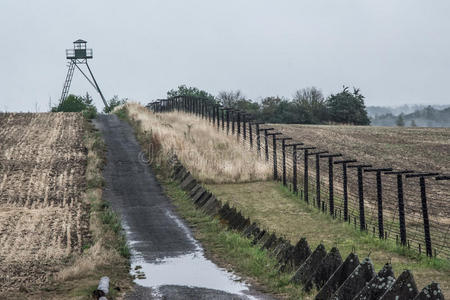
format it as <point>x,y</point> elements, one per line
<point>168,262</point>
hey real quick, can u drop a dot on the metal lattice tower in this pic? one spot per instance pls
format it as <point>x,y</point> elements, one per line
<point>79,56</point>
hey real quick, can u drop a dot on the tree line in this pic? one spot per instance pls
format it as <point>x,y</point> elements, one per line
<point>308,106</point>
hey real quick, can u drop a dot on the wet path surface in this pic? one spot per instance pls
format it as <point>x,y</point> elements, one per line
<point>169,260</point>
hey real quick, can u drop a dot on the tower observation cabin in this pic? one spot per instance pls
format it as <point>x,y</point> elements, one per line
<point>77,57</point>
<point>79,51</point>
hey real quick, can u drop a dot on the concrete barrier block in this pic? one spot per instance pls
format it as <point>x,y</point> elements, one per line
<point>356,281</point>
<point>248,232</point>
<point>258,237</point>
<point>431,292</point>
<point>197,195</point>
<point>338,277</point>
<point>403,288</point>
<point>324,271</point>
<point>378,285</point>
<point>306,270</point>
<point>188,183</point>
<point>269,242</point>
<point>203,199</point>
<point>194,190</point>
<point>297,257</point>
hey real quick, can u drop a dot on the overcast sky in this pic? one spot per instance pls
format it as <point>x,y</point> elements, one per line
<point>396,52</point>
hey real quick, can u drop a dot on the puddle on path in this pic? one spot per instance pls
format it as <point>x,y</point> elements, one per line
<point>190,269</point>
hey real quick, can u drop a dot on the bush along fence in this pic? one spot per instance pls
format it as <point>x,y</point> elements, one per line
<point>372,198</point>
<point>328,273</point>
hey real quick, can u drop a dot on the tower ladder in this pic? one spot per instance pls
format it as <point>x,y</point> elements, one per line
<point>68,80</point>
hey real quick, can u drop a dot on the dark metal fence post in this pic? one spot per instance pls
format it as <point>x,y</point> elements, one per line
<point>379,199</point>
<point>238,124</point>
<point>401,204</point>
<point>294,166</point>
<point>283,152</point>
<point>244,126</point>
<point>258,140</point>
<point>250,134</point>
<point>218,117</point>
<point>223,119</point>
<point>274,153</point>
<point>233,119</point>
<point>306,171</point>
<point>228,122</point>
<point>362,216</point>
<point>266,143</point>
<point>330,181</point>
<point>344,183</point>
<point>426,221</point>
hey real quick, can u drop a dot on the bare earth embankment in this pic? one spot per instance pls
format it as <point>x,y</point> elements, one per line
<point>43,220</point>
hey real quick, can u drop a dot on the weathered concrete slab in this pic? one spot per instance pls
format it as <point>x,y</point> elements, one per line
<point>269,242</point>
<point>324,271</point>
<point>224,210</point>
<point>264,238</point>
<point>194,190</point>
<point>203,199</point>
<point>258,237</point>
<point>212,207</point>
<point>403,288</point>
<point>306,270</point>
<point>228,216</point>
<point>236,220</point>
<point>431,292</point>
<point>338,277</point>
<point>378,285</point>
<point>297,256</point>
<point>356,281</point>
<point>249,231</point>
<point>284,254</point>
<point>244,224</point>
<point>276,246</point>
<point>197,195</point>
<point>188,183</point>
<point>181,175</point>
<point>178,172</point>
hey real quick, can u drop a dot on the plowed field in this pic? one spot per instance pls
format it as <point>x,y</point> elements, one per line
<point>43,219</point>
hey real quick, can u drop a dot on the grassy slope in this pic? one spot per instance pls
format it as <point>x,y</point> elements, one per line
<point>275,208</point>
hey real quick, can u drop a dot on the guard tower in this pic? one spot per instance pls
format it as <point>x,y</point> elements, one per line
<point>79,56</point>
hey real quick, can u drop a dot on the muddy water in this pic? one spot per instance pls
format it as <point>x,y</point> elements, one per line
<point>191,269</point>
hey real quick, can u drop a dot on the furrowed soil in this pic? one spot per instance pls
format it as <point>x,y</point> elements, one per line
<point>43,218</point>
<point>418,149</point>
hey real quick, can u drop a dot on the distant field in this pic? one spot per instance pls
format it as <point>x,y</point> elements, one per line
<point>418,149</point>
<point>43,220</point>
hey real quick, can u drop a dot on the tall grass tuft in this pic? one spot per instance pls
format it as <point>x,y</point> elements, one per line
<point>210,155</point>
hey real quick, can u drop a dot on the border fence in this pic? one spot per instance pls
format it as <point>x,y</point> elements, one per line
<point>391,204</point>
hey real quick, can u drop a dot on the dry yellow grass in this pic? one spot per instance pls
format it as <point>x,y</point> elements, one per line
<point>210,156</point>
